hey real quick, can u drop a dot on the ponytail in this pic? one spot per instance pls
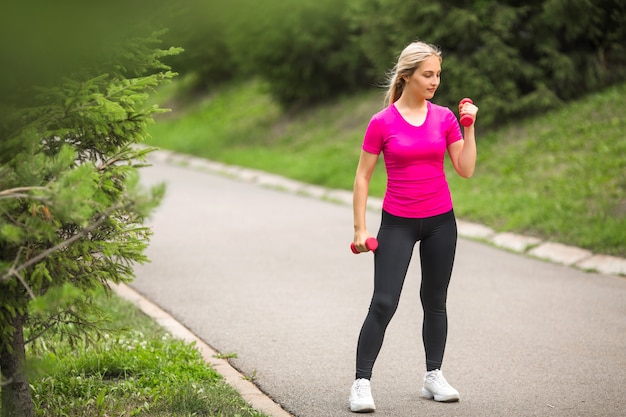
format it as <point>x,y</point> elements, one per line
<point>396,86</point>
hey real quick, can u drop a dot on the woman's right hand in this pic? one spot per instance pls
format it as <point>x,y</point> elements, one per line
<point>359,240</point>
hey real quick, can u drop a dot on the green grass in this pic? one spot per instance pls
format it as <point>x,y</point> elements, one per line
<point>560,176</point>
<point>141,371</point>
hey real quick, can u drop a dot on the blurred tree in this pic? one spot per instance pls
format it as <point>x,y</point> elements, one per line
<point>303,49</point>
<point>516,58</point>
<point>203,29</point>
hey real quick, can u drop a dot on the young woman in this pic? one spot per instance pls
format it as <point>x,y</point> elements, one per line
<point>413,134</point>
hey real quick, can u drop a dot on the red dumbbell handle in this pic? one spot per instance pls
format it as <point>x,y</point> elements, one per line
<point>466,119</point>
<point>371,244</point>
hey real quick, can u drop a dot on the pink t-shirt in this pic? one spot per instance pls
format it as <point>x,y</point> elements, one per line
<point>416,181</point>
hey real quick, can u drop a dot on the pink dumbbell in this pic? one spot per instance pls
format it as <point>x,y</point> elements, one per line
<point>371,244</point>
<point>466,119</point>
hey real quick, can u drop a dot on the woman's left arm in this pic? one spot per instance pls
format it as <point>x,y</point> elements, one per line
<point>463,152</point>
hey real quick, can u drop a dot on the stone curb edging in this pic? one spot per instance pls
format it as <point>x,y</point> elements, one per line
<point>248,391</point>
<point>550,251</point>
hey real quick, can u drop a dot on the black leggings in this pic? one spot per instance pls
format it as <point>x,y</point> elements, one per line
<point>396,238</point>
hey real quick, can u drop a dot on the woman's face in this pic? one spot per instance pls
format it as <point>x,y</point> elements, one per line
<point>426,78</point>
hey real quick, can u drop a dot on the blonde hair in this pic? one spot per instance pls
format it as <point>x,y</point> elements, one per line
<point>409,61</point>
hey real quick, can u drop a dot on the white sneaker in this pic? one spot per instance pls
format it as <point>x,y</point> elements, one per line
<point>361,400</point>
<point>436,386</point>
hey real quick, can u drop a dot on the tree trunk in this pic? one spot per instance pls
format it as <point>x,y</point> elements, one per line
<point>16,399</point>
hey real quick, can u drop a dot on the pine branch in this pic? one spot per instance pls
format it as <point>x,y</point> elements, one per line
<point>57,319</point>
<point>9,196</point>
<point>14,271</point>
<point>52,321</point>
<point>18,192</point>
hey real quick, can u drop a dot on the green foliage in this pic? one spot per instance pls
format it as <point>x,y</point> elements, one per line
<point>515,58</point>
<point>202,28</point>
<point>303,51</point>
<point>72,110</point>
<point>71,208</point>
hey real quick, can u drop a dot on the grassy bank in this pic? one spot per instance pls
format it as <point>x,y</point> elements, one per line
<point>560,176</point>
<point>134,369</point>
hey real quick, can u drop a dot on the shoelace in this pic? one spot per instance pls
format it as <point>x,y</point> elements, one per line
<point>438,380</point>
<point>362,390</point>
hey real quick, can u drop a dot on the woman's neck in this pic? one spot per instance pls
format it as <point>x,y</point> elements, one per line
<point>411,103</point>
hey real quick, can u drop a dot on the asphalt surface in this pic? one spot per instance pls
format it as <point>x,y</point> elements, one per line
<point>268,275</point>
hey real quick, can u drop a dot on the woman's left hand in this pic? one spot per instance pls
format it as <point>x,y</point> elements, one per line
<point>469,109</point>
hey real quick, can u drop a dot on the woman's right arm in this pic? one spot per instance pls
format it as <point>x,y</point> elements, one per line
<point>367,163</point>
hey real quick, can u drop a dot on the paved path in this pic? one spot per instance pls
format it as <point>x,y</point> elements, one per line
<point>268,275</point>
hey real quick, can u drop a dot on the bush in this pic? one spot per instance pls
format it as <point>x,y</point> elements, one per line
<point>516,59</point>
<point>199,28</point>
<point>304,52</point>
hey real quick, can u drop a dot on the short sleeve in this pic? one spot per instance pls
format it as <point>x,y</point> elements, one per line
<point>453,130</point>
<point>373,140</point>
